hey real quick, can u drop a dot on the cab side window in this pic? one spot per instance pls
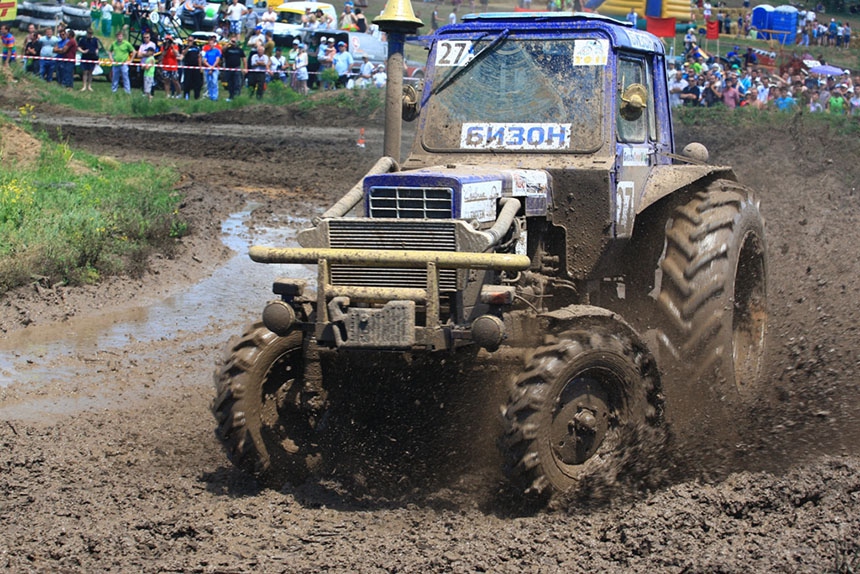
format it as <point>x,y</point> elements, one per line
<point>634,128</point>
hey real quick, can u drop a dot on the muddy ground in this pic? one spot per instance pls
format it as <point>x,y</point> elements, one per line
<point>108,460</point>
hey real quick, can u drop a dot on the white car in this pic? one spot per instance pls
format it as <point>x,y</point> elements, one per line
<point>290,24</point>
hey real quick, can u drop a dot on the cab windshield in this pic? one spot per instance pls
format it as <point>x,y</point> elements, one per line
<point>518,95</point>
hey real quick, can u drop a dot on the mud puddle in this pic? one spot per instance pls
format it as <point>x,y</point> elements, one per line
<point>234,293</point>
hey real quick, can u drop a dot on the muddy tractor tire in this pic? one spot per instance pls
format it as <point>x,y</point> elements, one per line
<point>262,423</point>
<point>713,292</point>
<point>572,408</point>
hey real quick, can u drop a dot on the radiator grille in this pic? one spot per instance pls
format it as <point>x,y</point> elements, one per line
<point>406,235</point>
<point>411,202</point>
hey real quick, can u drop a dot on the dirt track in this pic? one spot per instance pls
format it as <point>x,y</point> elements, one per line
<point>128,477</point>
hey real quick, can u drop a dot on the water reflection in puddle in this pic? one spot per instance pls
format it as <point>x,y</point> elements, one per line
<point>236,290</point>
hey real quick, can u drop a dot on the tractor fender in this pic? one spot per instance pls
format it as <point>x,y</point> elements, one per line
<point>585,316</point>
<point>666,179</point>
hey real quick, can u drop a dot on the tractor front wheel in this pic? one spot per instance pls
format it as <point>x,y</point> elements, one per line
<point>571,407</point>
<point>264,424</point>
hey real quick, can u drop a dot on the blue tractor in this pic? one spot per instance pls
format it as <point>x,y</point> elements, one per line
<point>543,207</point>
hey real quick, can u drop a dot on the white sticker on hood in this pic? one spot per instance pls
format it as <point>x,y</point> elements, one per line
<point>479,200</point>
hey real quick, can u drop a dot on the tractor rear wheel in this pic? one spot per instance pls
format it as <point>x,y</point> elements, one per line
<point>263,424</point>
<point>571,407</point>
<point>713,291</point>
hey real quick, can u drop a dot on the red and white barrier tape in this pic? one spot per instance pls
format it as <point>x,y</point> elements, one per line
<point>110,63</point>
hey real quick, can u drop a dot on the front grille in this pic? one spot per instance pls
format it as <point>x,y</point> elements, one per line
<point>405,235</point>
<point>411,202</point>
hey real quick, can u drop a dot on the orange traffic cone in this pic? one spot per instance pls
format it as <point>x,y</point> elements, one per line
<point>360,142</point>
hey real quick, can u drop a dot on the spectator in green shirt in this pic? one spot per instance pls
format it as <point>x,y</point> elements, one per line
<point>121,53</point>
<point>837,104</point>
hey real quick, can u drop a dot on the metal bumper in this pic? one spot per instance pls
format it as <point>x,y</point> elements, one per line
<point>432,261</point>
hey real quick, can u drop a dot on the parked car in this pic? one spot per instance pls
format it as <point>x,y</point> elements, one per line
<point>290,21</point>
<point>214,12</point>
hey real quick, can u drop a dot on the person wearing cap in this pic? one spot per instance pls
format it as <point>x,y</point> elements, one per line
<point>170,67</point>
<point>380,78</point>
<point>347,19</point>
<point>301,68</point>
<point>690,39</point>
<point>734,56</point>
<point>837,104</point>
<point>342,63</point>
<point>235,12</point>
<point>365,72</point>
<point>291,62</point>
<point>235,67</point>
<point>256,38</point>
<point>325,56</point>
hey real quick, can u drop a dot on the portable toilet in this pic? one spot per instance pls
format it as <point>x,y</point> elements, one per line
<point>762,16</point>
<point>784,24</point>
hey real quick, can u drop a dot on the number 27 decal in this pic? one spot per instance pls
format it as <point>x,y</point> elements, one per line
<point>453,52</point>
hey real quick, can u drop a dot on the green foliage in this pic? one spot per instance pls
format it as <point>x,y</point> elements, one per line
<point>723,118</point>
<point>363,102</point>
<point>104,102</point>
<point>71,219</point>
<point>328,76</point>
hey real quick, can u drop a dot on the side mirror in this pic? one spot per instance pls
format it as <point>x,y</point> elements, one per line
<point>410,103</point>
<point>633,101</point>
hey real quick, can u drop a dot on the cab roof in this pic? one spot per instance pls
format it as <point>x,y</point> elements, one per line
<point>621,34</point>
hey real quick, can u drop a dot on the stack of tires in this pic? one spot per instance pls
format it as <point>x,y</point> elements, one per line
<point>76,18</point>
<point>24,17</point>
<point>42,15</point>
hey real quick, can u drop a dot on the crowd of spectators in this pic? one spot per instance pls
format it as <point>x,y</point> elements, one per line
<point>742,83</point>
<point>249,57</point>
<point>739,81</point>
<point>233,16</point>
<point>186,67</point>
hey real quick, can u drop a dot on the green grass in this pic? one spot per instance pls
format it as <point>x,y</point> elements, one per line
<point>102,101</point>
<point>73,218</point>
<point>765,119</point>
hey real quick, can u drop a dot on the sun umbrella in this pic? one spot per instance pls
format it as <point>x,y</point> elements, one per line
<point>827,70</point>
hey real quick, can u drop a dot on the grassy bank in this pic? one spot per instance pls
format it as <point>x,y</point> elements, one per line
<point>68,217</point>
<point>102,101</point>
